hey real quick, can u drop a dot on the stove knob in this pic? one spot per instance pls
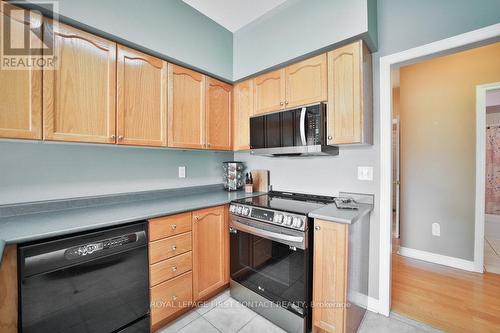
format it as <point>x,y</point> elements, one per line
<point>278,218</point>
<point>245,211</point>
<point>239,209</point>
<point>288,220</point>
<point>232,208</point>
<point>298,222</point>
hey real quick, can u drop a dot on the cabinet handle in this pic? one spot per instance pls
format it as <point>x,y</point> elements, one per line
<point>174,269</point>
<point>113,136</point>
<point>174,247</point>
<point>120,137</point>
<point>286,102</point>
<point>329,137</point>
<point>281,103</point>
<point>173,226</point>
<point>317,227</point>
<point>174,298</point>
<point>196,218</point>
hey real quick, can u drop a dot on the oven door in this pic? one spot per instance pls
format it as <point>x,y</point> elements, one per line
<point>271,261</point>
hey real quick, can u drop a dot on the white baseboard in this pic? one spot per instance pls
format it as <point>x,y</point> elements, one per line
<point>492,218</point>
<point>373,305</point>
<point>440,259</point>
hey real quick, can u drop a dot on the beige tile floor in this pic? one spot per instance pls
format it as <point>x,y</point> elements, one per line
<point>492,247</point>
<point>224,314</point>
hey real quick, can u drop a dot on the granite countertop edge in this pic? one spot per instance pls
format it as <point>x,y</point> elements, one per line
<point>37,226</point>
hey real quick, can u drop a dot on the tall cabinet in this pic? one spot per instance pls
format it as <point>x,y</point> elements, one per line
<point>21,90</point>
<point>350,95</point>
<point>79,97</point>
<point>141,99</point>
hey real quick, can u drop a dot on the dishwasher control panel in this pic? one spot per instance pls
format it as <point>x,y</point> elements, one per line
<point>86,249</point>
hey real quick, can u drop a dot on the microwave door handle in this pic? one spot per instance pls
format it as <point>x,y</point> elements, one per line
<point>303,126</point>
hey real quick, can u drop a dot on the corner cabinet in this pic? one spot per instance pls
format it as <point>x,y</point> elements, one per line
<point>242,111</point>
<point>21,90</point>
<point>210,251</point>
<point>141,99</point>
<point>79,96</point>
<point>350,95</point>
<point>186,108</point>
<point>218,114</point>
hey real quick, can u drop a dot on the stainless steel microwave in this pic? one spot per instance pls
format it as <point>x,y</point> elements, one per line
<point>294,132</point>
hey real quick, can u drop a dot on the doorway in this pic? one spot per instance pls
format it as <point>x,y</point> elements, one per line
<point>491,107</point>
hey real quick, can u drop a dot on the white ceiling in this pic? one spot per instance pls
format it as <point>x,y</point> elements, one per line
<point>233,14</point>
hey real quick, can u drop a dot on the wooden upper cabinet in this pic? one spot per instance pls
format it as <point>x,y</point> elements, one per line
<point>349,95</point>
<point>210,250</point>
<point>186,108</point>
<point>306,82</point>
<point>242,111</point>
<point>141,99</point>
<point>218,114</point>
<point>20,90</point>
<point>269,92</point>
<point>330,276</point>
<point>79,96</point>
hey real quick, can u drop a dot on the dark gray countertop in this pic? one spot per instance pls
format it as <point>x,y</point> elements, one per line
<point>60,218</point>
<point>346,216</point>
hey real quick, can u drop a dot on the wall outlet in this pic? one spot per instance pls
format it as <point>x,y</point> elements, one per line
<point>436,229</point>
<point>182,172</point>
<point>365,173</point>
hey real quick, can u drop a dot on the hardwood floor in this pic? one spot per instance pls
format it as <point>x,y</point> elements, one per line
<point>445,298</point>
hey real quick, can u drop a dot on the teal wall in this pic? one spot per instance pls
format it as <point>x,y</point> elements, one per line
<point>295,28</point>
<point>33,171</point>
<point>169,27</point>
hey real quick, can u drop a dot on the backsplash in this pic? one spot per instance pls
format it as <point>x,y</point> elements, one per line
<point>35,171</point>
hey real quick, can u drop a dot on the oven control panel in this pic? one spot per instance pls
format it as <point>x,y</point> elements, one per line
<point>289,220</point>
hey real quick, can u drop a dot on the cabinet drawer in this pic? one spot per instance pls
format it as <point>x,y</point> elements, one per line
<point>167,226</point>
<point>169,247</point>
<point>169,297</point>
<point>167,269</point>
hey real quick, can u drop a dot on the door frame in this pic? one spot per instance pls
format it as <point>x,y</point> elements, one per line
<point>441,47</point>
<point>480,213</point>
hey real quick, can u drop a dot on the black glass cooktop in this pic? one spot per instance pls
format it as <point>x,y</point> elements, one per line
<point>288,202</point>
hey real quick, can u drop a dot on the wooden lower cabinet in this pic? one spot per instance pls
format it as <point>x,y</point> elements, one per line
<point>210,250</point>
<point>329,278</point>
<point>188,261</point>
<point>8,291</point>
<point>169,297</point>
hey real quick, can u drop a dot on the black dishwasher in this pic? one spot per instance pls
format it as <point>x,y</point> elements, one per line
<point>93,282</point>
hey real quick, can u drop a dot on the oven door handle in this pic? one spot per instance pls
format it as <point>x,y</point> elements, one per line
<point>288,239</point>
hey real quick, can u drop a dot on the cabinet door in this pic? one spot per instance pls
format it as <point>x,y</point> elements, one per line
<point>20,90</point>
<point>218,114</point>
<point>306,82</point>
<point>269,92</point>
<point>329,276</point>
<point>242,111</point>
<point>210,251</point>
<point>344,94</point>
<point>79,96</point>
<point>142,99</point>
<point>186,108</point>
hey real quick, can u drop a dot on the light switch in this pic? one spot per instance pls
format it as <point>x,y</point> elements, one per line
<point>365,173</point>
<point>182,172</point>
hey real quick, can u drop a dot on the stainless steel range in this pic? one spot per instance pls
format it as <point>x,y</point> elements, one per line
<point>271,256</point>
